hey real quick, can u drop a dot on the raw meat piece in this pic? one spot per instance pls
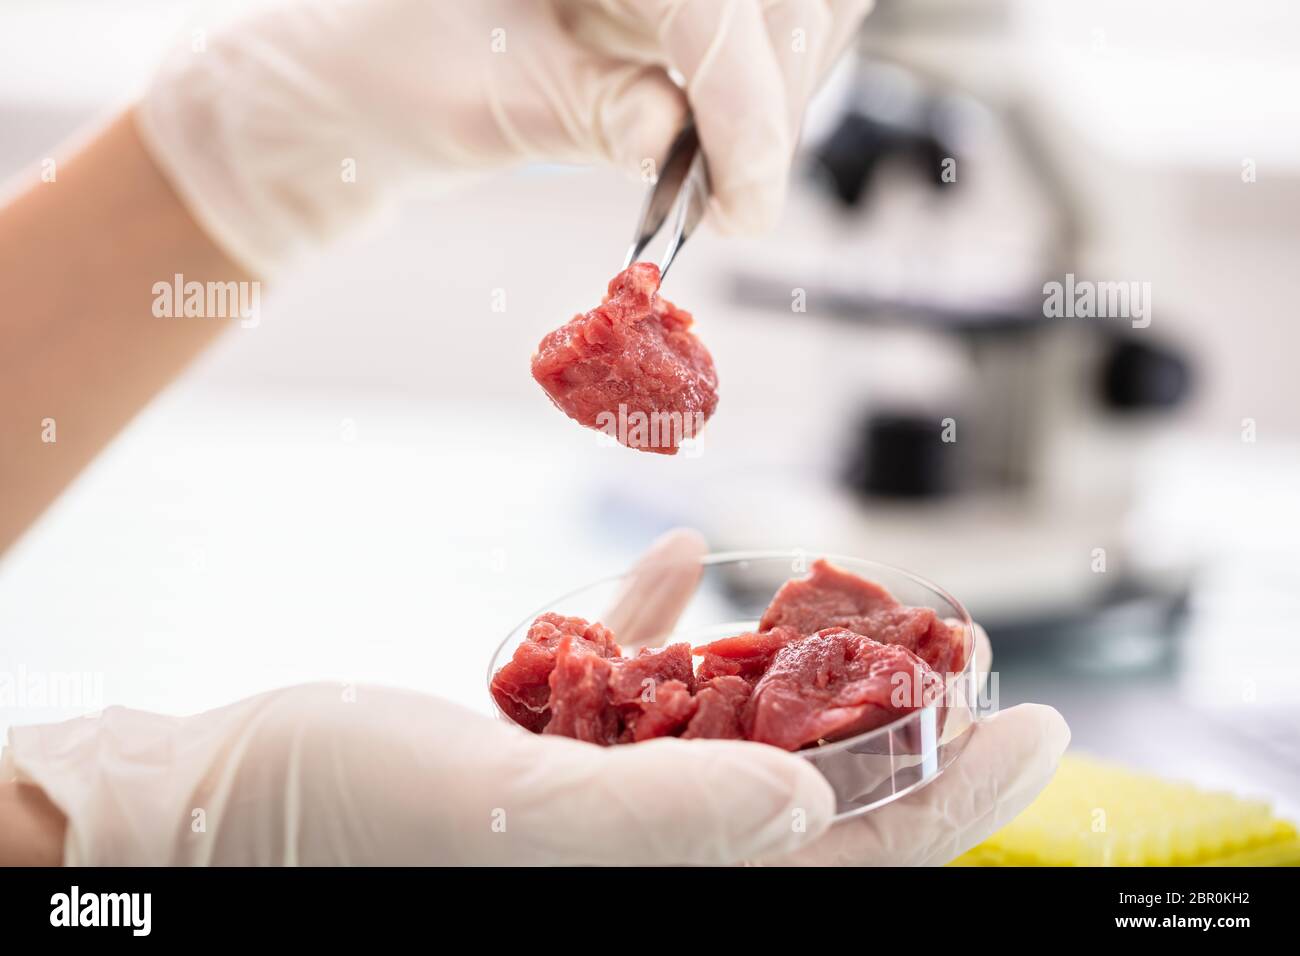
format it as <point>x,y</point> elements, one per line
<point>917,629</point>
<point>631,367</point>
<point>580,705</point>
<point>628,682</point>
<point>779,685</point>
<point>549,629</point>
<point>718,705</point>
<point>920,630</point>
<point>830,597</point>
<point>943,647</point>
<point>835,684</point>
<point>521,687</point>
<point>745,655</point>
<point>664,716</point>
<point>664,710</point>
<point>825,596</point>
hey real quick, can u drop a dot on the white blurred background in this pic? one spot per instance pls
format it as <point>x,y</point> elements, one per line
<point>368,486</point>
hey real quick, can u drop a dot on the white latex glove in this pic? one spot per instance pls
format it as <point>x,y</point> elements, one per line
<point>286,128</point>
<point>321,774</point>
<point>327,775</point>
<point>303,776</point>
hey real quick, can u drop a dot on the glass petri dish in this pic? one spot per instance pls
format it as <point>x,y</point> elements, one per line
<point>865,771</point>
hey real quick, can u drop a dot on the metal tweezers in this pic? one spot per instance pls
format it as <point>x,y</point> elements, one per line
<point>681,190</point>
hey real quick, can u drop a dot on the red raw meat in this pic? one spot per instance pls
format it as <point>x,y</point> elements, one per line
<point>779,686</point>
<point>745,655</point>
<point>651,665</point>
<point>826,595</point>
<point>580,705</point>
<point>550,686</point>
<point>943,647</point>
<point>919,630</point>
<point>521,687</point>
<point>631,367</point>
<point>835,684</point>
<point>718,705</point>
<point>664,716</point>
<point>830,597</point>
<point>645,689</point>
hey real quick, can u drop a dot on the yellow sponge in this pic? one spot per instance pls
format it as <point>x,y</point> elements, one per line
<point>1097,814</point>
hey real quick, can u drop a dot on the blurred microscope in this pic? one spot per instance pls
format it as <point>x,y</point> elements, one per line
<point>977,440</point>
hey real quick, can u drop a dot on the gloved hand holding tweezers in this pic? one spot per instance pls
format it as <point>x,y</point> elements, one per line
<point>284,129</point>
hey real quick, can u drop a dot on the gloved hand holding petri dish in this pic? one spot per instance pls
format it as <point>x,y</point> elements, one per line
<point>321,774</point>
